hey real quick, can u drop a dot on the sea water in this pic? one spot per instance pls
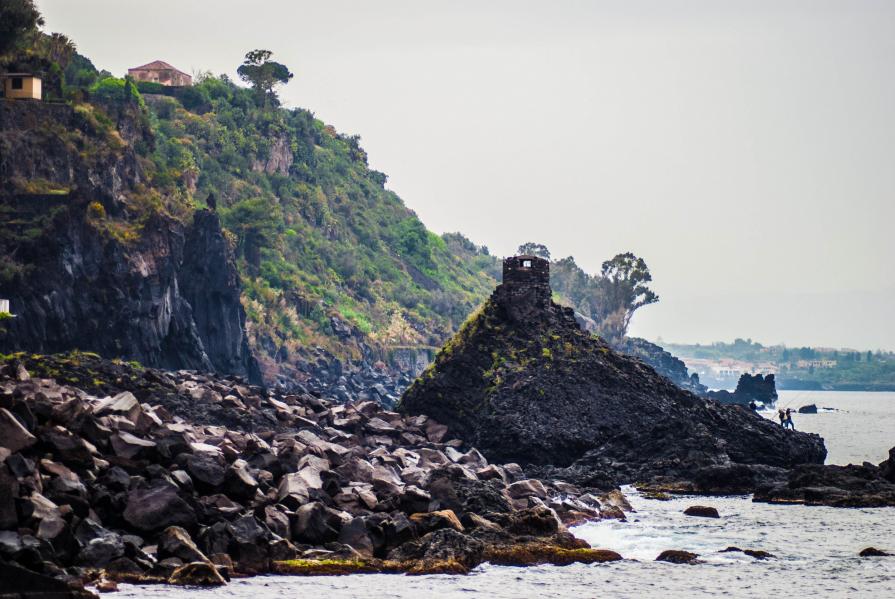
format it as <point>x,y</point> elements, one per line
<point>815,548</point>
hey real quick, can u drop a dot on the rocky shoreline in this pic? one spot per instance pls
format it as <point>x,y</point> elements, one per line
<point>114,472</point>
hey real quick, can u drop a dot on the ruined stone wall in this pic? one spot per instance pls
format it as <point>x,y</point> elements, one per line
<point>525,290</point>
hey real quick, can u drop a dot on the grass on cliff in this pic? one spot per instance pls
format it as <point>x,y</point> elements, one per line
<point>317,235</point>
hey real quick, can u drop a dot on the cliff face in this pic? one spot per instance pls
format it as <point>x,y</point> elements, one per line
<point>91,261</point>
<point>522,382</point>
<point>661,361</point>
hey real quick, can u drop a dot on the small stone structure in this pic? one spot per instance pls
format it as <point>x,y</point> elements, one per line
<point>22,86</point>
<point>526,287</point>
<point>161,72</point>
<point>526,270</point>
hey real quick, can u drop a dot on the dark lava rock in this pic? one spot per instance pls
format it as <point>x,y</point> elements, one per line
<point>865,485</point>
<point>200,574</point>
<point>873,552</point>
<point>158,507</point>
<point>442,545</point>
<point>702,511</point>
<point>523,383</point>
<point>64,299</point>
<point>750,387</point>
<point>663,362</point>
<point>19,583</point>
<point>176,542</point>
<point>809,409</point>
<point>756,553</point>
<point>675,556</point>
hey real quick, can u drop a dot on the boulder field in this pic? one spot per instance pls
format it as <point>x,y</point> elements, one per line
<point>523,383</point>
<point>111,471</point>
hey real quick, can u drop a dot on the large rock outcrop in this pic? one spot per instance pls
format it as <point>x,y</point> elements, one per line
<point>750,387</point>
<point>522,382</point>
<point>91,261</point>
<point>864,485</point>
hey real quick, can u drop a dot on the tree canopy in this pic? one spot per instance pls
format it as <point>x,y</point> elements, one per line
<point>534,249</point>
<point>624,280</point>
<point>19,19</point>
<point>263,74</point>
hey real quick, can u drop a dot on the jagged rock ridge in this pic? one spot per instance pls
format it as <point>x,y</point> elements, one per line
<point>522,382</point>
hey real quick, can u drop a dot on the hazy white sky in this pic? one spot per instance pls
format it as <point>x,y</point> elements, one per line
<point>745,149</point>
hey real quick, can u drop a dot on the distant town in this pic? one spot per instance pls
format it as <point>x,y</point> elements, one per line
<point>719,365</point>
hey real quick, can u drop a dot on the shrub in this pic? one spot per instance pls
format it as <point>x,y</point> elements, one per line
<point>96,211</point>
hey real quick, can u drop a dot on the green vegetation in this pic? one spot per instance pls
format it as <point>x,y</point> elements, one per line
<point>18,20</point>
<point>315,233</point>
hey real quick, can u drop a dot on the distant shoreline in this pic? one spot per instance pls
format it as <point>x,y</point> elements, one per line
<point>785,385</point>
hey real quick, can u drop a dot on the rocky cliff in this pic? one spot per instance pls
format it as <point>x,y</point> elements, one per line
<point>750,387</point>
<point>663,362</point>
<point>93,259</point>
<point>524,383</point>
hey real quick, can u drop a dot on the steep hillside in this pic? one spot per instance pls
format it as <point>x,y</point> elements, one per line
<point>330,267</point>
<point>328,256</point>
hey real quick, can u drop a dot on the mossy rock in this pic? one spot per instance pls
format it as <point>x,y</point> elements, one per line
<point>340,567</point>
<point>532,554</point>
<point>327,567</point>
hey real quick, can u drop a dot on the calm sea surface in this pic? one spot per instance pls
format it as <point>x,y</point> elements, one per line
<point>815,547</point>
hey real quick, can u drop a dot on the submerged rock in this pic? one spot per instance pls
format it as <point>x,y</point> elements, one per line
<point>523,383</point>
<point>702,511</point>
<point>676,556</point>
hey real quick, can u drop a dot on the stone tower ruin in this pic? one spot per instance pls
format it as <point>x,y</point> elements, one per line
<point>525,289</point>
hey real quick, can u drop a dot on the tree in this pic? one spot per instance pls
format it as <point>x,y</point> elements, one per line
<point>19,19</point>
<point>534,249</point>
<point>60,49</point>
<point>263,74</point>
<point>624,287</point>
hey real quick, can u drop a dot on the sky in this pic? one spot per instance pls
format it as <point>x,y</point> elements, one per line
<point>746,150</point>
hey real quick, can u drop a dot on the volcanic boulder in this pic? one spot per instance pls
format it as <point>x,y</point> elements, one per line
<point>523,383</point>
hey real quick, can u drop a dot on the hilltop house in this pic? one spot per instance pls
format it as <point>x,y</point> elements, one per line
<point>22,86</point>
<point>161,72</point>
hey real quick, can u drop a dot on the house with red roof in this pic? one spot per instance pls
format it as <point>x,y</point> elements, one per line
<point>161,72</point>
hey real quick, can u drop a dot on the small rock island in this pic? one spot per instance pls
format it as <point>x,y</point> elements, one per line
<point>522,382</point>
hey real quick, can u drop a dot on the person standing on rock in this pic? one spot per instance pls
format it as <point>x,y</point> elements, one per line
<point>782,416</point>
<point>788,420</point>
